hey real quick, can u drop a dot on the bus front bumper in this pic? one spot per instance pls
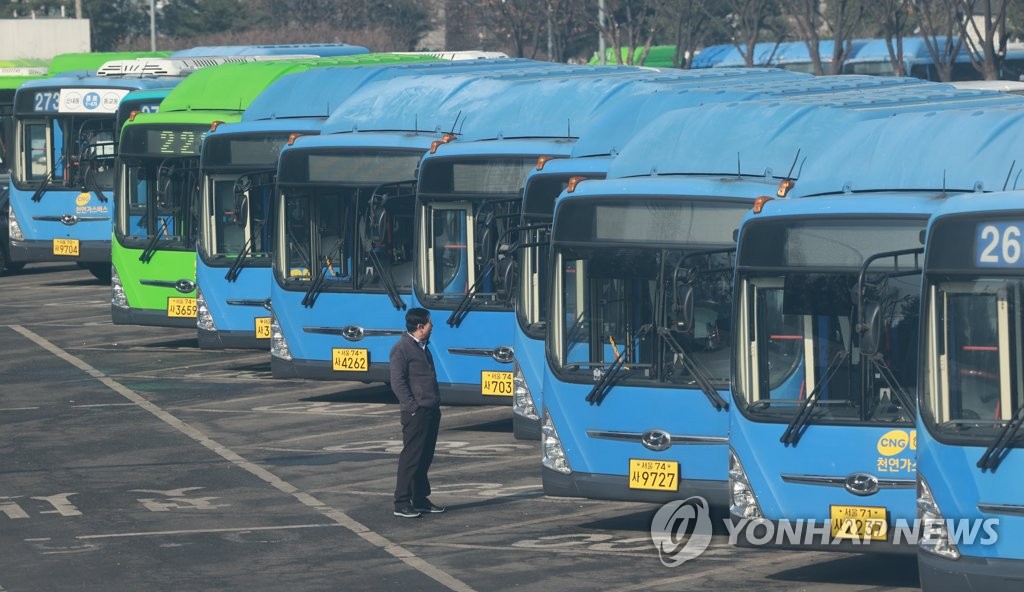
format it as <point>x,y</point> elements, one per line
<point>615,487</point>
<point>969,574</point>
<point>321,370</point>
<point>149,318</point>
<point>41,251</point>
<point>231,339</point>
<point>771,534</point>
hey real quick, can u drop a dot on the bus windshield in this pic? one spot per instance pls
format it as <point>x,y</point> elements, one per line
<point>238,219</point>
<point>159,186</point>
<point>345,238</point>
<point>630,287</point>
<point>803,316</point>
<point>158,202</point>
<point>468,210</point>
<point>974,367</point>
<point>75,152</point>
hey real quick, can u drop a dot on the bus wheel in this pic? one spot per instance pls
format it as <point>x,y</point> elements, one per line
<point>100,270</point>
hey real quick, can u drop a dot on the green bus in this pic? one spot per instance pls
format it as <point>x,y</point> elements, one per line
<point>159,185</point>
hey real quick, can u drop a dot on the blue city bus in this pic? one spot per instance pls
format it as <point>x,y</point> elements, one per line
<point>62,166</point>
<point>787,55</point>
<point>373,144</point>
<point>969,457</point>
<point>825,363</point>
<point>238,165</point>
<point>641,320</point>
<point>590,159</point>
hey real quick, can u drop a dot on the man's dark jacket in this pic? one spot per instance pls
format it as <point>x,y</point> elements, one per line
<point>413,379</point>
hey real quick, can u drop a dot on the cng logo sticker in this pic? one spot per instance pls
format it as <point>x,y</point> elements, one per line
<point>83,198</point>
<point>894,442</point>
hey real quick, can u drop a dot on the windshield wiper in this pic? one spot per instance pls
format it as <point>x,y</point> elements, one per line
<point>243,254</point>
<point>150,249</point>
<point>43,187</point>
<point>607,380</point>
<point>993,455</point>
<point>385,278</point>
<point>696,370</point>
<point>321,278</point>
<point>903,397</point>
<point>89,180</point>
<point>796,427</point>
<point>315,288</point>
<point>460,312</point>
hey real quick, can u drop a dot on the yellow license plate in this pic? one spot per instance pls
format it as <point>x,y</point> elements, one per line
<point>350,360</point>
<point>858,522</point>
<point>498,384</point>
<point>654,475</point>
<point>181,307</point>
<point>262,327</point>
<point>67,247</point>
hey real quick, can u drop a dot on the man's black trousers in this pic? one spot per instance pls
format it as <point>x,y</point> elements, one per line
<point>419,437</point>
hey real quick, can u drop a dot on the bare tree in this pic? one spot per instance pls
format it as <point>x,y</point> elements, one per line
<point>692,21</point>
<point>894,15</point>
<point>983,34</point>
<point>940,28</point>
<point>836,19</point>
<point>631,25</point>
<point>748,20</point>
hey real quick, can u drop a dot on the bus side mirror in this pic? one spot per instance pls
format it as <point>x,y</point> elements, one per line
<point>241,214</point>
<point>682,307</point>
<point>870,328</point>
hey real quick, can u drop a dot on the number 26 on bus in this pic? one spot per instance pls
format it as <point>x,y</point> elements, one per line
<point>999,244</point>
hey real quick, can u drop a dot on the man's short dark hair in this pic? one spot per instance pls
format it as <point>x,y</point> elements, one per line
<point>414,317</point>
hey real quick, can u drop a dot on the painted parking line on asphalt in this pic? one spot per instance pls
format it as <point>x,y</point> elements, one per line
<point>338,516</point>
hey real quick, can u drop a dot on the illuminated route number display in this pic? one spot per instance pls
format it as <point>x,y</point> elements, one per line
<point>175,142</point>
<point>999,244</point>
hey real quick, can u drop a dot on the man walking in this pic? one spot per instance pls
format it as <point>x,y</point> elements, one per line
<point>414,382</point>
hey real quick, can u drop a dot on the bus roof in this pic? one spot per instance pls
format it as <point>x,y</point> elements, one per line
<point>547,101</point>
<point>614,127</point>
<point>232,87</point>
<point>90,62</point>
<point>319,91</point>
<point>309,49</point>
<point>775,131</point>
<point>659,56</point>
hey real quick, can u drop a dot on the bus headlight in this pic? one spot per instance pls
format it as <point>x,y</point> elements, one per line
<point>13,228</point>
<point>742,501</point>
<point>551,447</point>
<point>117,297</point>
<point>522,399</point>
<point>204,320</point>
<point>934,535</point>
<point>278,344</point>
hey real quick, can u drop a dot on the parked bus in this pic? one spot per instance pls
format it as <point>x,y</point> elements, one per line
<point>590,159</point>
<point>362,207</point>
<point>827,293</point>
<point>636,390</point>
<point>787,55</point>
<point>62,165</point>
<point>969,457</point>
<point>159,187</point>
<point>239,161</point>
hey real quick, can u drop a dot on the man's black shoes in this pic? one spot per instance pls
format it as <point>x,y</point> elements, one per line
<point>407,512</point>
<point>427,507</point>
